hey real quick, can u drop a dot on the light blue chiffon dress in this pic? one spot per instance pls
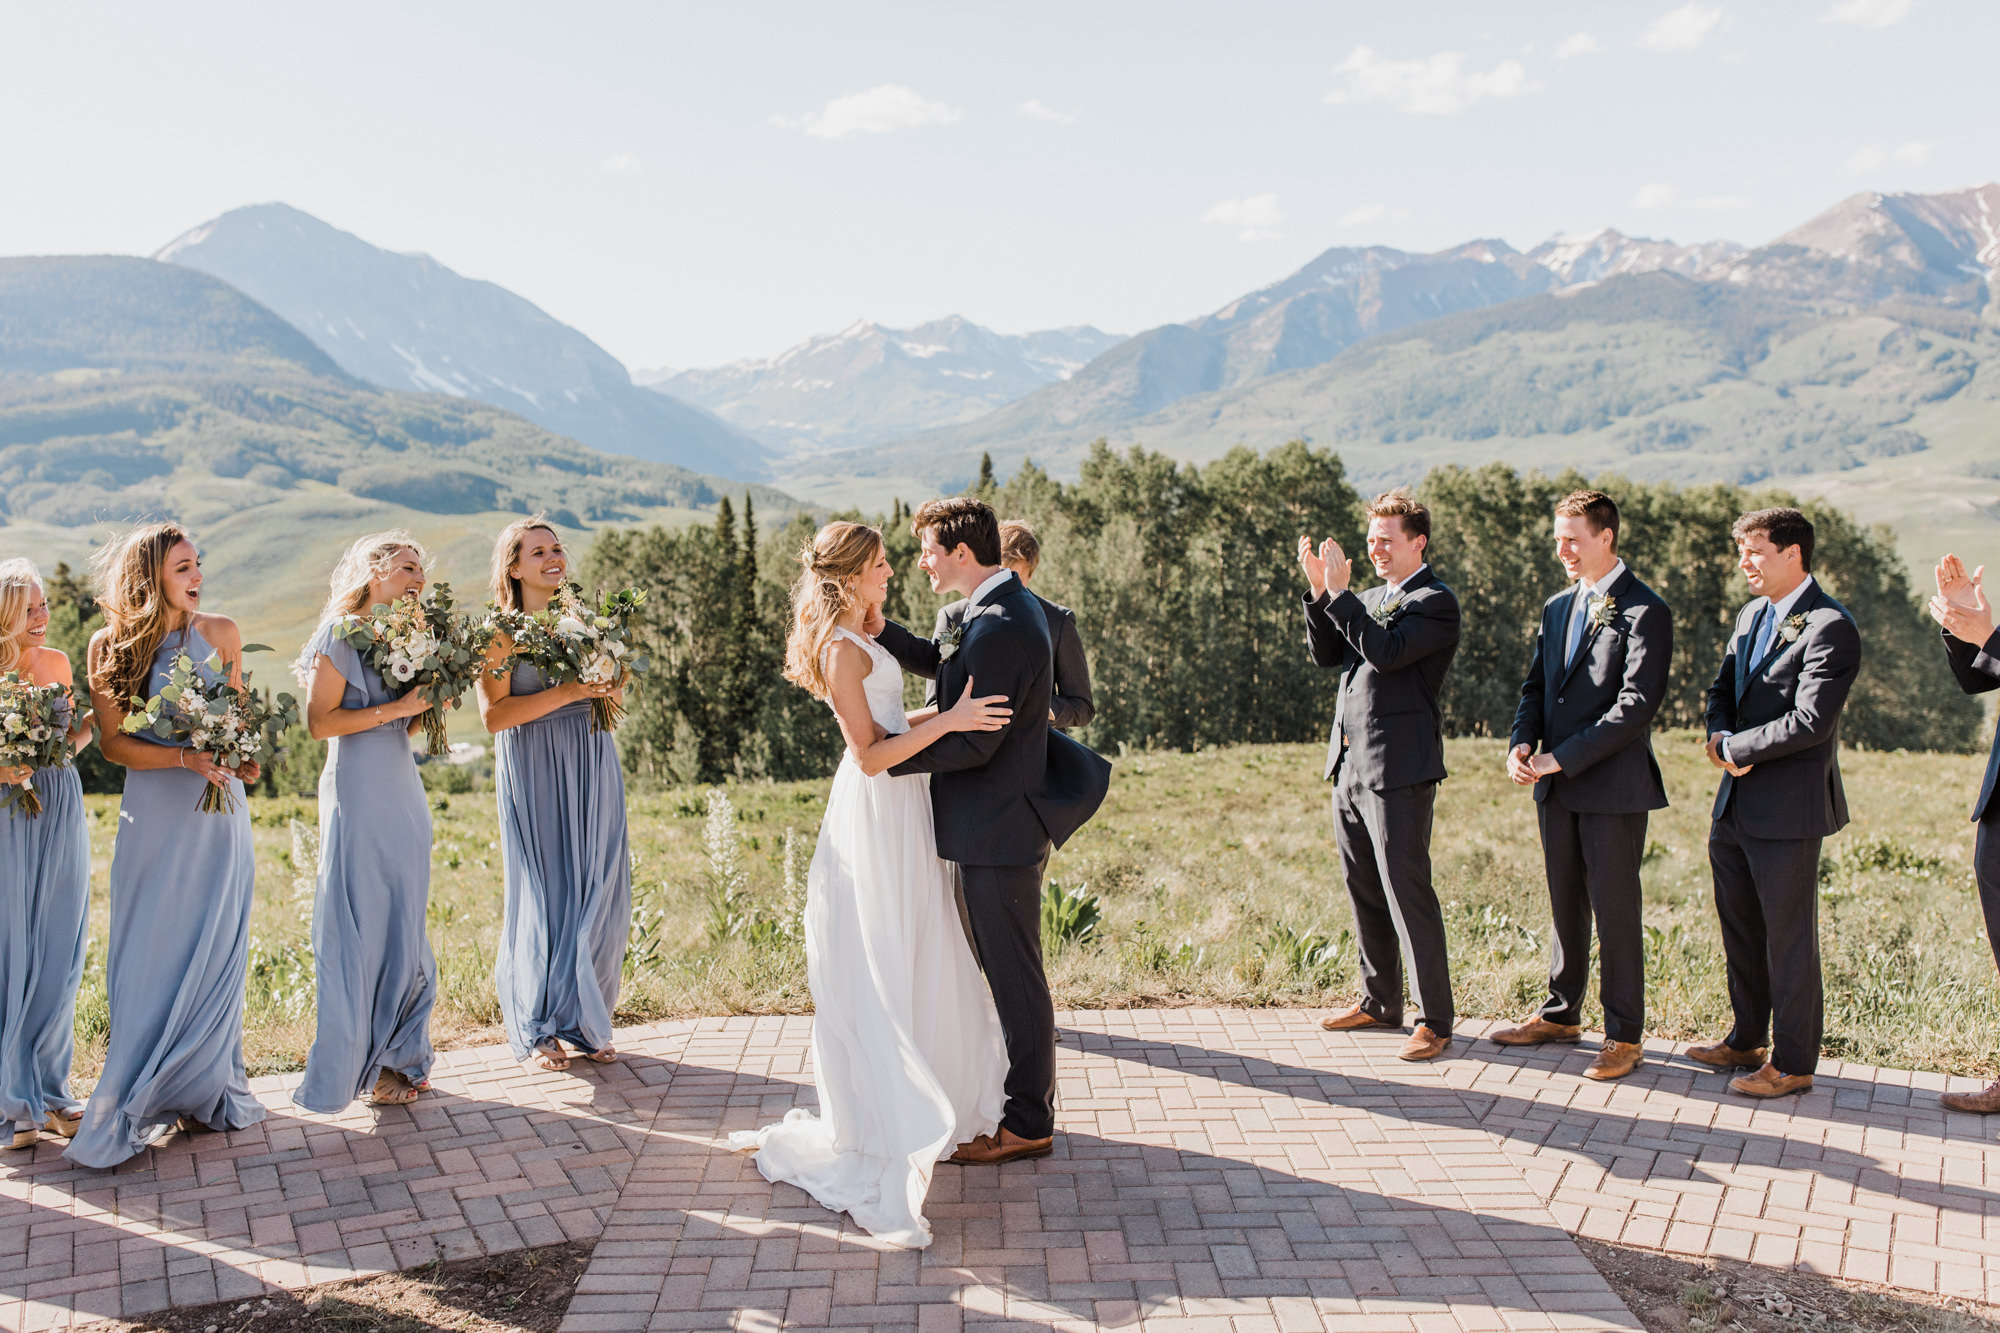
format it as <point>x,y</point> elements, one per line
<point>44,908</point>
<point>376,978</point>
<point>563,852</point>
<point>182,883</point>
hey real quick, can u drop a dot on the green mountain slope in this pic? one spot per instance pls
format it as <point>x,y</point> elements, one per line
<point>132,389</point>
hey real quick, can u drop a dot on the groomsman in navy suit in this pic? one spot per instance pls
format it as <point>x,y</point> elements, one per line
<point>1973,649</point>
<point>1583,739</point>
<point>1774,731</point>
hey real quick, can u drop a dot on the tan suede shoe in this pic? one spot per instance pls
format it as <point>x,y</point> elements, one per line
<point>1724,1056</point>
<point>1616,1059</point>
<point>1353,1021</point>
<point>1006,1146</point>
<point>1535,1032</point>
<point>1423,1044</point>
<point>1768,1082</point>
<point>1984,1102</point>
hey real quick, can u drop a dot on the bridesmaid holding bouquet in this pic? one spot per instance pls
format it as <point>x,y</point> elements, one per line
<point>181,879</point>
<point>44,891</point>
<point>561,797</point>
<point>374,973</point>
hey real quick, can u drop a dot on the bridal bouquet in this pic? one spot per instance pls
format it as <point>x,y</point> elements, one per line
<point>34,731</point>
<point>426,646</point>
<point>568,641</point>
<point>231,724</point>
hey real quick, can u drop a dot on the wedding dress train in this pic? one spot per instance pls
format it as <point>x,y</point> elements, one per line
<point>907,1052</point>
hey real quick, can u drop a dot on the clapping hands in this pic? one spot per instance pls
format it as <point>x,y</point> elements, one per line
<point>1326,569</point>
<point>1960,605</point>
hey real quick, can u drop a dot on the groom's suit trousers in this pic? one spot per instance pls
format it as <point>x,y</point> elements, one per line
<point>1005,905</point>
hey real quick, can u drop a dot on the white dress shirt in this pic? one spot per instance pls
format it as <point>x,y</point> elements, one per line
<point>1396,585</point>
<point>1579,614</point>
<point>991,585</point>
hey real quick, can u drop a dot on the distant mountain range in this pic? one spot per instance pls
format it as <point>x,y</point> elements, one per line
<point>407,322</point>
<point>868,383</point>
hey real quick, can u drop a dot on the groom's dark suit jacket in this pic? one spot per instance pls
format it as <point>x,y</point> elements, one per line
<point>1070,702</point>
<point>1784,716</point>
<point>996,796</point>
<point>1594,713</point>
<point>1388,725</point>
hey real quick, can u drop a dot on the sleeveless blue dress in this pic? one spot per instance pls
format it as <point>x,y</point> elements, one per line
<point>563,852</point>
<point>181,889</point>
<point>375,976</point>
<point>44,909</point>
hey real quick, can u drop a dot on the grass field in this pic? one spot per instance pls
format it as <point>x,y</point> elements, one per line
<point>1218,883</point>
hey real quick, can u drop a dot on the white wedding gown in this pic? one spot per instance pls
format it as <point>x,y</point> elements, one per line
<point>906,1045</point>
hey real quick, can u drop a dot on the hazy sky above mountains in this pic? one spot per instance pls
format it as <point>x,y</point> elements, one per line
<point>689,184</point>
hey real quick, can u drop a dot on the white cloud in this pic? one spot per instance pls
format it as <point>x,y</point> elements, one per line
<point>877,111</point>
<point>1657,197</point>
<point>1036,109</point>
<point>1437,86</point>
<point>1578,44</point>
<point>1868,13</point>
<point>621,162</point>
<point>1872,157</point>
<point>1355,217</point>
<point>1256,216</point>
<point>1682,29</point>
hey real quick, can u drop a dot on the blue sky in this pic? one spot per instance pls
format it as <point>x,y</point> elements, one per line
<point>690,184</point>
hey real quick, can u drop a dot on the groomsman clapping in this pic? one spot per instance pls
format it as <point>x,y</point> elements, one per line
<point>1774,731</point>
<point>1582,739</point>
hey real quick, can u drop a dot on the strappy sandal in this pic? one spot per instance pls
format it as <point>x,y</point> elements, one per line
<point>549,1055</point>
<point>63,1124</point>
<point>25,1136</point>
<point>392,1089</point>
<point>420,1084</point>
<point>603,1055</point>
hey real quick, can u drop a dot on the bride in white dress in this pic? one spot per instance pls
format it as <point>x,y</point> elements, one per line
<point>907,1053</point>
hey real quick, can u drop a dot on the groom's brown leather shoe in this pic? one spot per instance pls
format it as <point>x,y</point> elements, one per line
<point>1006,1146</point>
<point>1768,1082</point>
<point>1353,1021</point>
<point>1984,1102</point>
<point>1724,1056</point>
<point>1535,1031</point>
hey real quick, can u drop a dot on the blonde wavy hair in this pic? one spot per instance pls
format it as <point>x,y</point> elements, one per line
<point>347,589</point>
<point>129,592</point>
<point>506,550</point>
<point>19,581</point>
<point>838,554</point>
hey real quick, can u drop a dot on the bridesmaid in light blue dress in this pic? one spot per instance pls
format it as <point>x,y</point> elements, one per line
<point>561,797</point>
<point>44,892</point>
<point>375,976</point>
<point>181,880</point>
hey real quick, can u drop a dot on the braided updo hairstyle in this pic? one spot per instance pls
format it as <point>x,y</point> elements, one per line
<point>838,554</point>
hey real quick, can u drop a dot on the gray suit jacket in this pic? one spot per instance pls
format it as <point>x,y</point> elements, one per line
<point>1388,726</point>
<point>1070,705</point>
<point>1595,713</point>
<point>1783,714</point>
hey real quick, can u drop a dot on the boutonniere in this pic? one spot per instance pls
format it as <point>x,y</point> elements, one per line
<point>1386,612</point>
<point>1602,612</point>
<point>949,640</point>
<point>1793,627</point>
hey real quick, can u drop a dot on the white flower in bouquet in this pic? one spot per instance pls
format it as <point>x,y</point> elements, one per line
<point>16,724</point>
<point>572,628</point>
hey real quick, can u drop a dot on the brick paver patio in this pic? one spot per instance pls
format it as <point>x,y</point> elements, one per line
<point>1234,1171</point>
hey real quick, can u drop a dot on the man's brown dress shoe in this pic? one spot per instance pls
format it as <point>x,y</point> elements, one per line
<point>1983,1102</point>
<point>1724,1056</point>
<point>1615,1059</point>
<point>1423,1044</point>
<point>1768,1082</point>
<point>1006,1146</point>
<point>1353,1021</point>
<point>1534,1032</point>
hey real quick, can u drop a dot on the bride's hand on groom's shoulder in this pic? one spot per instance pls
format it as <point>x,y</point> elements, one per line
<point>976,714</point>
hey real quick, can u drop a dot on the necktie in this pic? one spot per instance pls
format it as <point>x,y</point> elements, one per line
<point>1760,638</point>
<point>1579,617</point>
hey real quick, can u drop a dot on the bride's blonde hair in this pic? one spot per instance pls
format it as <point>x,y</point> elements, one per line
<point>838,554</point>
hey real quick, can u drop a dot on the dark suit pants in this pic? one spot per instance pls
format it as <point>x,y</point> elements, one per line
<point>1385,853</point>
<point>1986,868</point>
<point>1767,894</point>
<point>1593,868</point>
<point>1005,904</point>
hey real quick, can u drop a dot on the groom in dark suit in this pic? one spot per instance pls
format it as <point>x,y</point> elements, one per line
<point>998,802</point>
<point>1392,646</point>
<point>1582,738</point>
<point>1774,731</point>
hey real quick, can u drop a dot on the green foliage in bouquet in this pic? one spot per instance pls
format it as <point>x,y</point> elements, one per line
<point>567,641</point>
<point>423,645</point>
<point>34,733</point>
<point>233,725</point>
